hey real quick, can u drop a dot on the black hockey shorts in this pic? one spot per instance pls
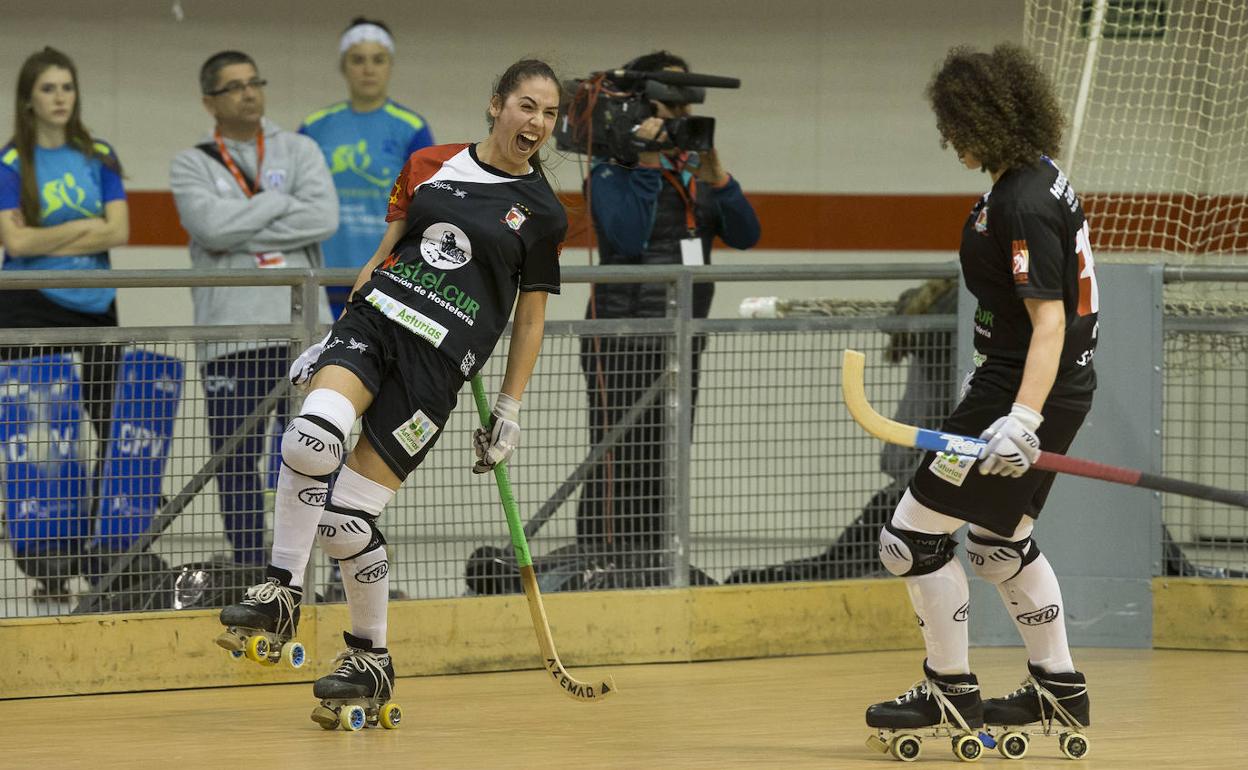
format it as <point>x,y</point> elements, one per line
<point>414,386</point>
<point>999,503</point>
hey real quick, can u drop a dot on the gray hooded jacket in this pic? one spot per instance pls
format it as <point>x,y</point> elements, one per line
<point>295,210</point>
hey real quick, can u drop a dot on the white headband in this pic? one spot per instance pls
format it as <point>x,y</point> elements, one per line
<point>365,33</point>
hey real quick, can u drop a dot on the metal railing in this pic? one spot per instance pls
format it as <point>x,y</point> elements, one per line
<point>151,499</point>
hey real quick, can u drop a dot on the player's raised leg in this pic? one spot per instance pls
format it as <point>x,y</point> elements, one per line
<point>267,618</point>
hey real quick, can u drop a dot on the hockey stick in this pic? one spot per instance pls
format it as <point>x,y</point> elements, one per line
<point>576,689</point>
<point>855,394</point>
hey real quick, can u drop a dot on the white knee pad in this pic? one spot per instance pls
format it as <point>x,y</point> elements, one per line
<point>999,560</point>
<point>348,527</point>
<point>313,443</point>
<point>916,540</point>
<point>347,535</point>
<point>905,552</point>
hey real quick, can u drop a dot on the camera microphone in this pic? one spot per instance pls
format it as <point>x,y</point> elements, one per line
<point>674,78</point>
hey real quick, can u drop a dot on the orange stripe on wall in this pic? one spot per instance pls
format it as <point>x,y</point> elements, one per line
<point>879,222</point>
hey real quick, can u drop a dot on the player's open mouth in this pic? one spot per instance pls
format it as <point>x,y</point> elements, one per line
<point>526,142</point>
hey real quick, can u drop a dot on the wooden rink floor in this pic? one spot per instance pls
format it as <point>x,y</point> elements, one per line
<point>1150,709</point>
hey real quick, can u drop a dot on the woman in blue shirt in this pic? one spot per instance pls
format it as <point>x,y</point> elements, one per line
<point>62,207</point>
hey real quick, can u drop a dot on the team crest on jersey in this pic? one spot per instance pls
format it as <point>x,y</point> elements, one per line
<point>1020,262</point>
<point>981,220</point>
<point>445,246</point>
<point>517,216</point>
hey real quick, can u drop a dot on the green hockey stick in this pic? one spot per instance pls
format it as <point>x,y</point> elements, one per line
<point>585,692</point>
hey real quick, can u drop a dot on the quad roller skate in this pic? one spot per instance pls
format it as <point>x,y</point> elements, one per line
<point>940,706</point>
<point>1057,702</point>
<point>261,627</point>
<point>358,693</point>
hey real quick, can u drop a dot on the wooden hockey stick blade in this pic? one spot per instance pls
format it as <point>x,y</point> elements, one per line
<point>585,692</point>
<point>854,392</point>
<point>574,688</point>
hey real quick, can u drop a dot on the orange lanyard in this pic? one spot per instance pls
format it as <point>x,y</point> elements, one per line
<point>686,196</point>
<point>233,167</point>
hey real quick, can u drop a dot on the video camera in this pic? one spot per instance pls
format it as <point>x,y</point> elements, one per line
<point>605,109</point>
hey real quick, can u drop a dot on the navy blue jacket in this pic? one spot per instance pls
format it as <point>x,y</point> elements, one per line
<point>639,218</point>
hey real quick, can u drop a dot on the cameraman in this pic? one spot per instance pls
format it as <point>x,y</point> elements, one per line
<point>666,209</point>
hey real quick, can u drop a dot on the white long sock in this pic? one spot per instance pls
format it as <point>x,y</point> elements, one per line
<point>942,599</point>
<point>365,578</point>
<point>297,508</point>
<point>1034,600</point>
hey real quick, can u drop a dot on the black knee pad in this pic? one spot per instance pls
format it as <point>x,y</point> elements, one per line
<point>905,553</point>
<point>999,560</point>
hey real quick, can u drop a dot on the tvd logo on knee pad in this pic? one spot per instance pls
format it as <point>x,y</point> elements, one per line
<point>1046,614</point>
<point>373,572</point>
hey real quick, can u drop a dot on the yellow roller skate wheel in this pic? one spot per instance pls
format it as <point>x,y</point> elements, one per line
<point>968,748</point>
<point>352,718</point>
<point>257,649</point>
<point>391,715</point>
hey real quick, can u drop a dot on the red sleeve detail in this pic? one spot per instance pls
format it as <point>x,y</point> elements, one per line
<point>420,165</point>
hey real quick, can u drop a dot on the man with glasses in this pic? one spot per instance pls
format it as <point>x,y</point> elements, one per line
<point>252,196</point>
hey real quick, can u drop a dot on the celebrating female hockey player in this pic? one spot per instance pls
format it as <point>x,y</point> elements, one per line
<point>471,227</point>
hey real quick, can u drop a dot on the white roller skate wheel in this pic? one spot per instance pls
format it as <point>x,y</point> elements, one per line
<point>968,748</point>
<point>352,718</point>
<point>906,747</point>
<point>390,716</point>
<point>1074,745</point>
<point>293,654</point>
<point>1013,745</point>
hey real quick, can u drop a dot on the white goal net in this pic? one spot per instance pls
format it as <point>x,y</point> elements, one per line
<point>1157,138</point>
<point>1156,96</point>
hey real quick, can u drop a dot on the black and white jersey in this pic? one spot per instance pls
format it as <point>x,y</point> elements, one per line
<point>1028,238</point>
<point>474,236</point>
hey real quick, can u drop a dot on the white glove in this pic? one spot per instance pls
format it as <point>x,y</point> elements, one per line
<point>1012,442</point>
<point>495,444</point>
<point>301,369</point>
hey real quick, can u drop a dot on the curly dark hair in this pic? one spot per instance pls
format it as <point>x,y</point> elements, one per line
<point>998,106</point>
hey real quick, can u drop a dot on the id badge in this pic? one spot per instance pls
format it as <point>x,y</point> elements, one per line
<point>691,252</point>
<point>270,259</point>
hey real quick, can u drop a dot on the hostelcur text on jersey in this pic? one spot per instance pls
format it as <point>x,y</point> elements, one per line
<point>432,284</point>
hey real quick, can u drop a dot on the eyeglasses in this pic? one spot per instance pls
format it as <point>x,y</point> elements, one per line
<point>236,87</point>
